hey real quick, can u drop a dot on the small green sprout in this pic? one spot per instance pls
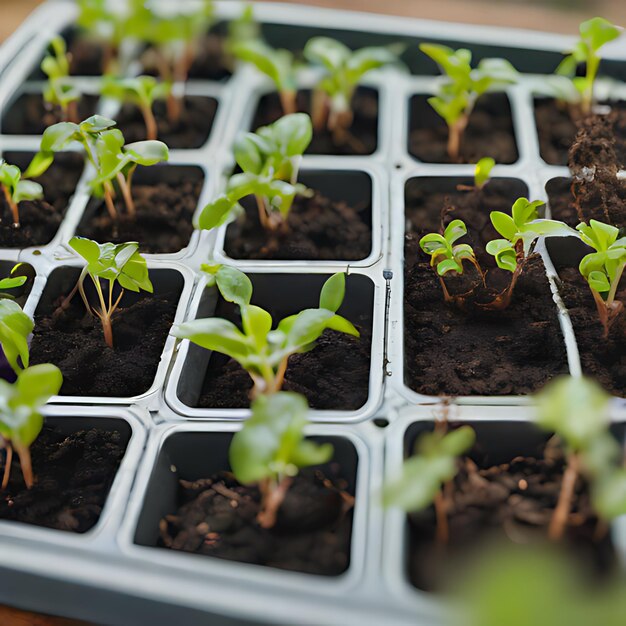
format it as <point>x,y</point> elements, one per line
<point>115,263</point>
<point>278,65</point>
<point>61,91</point>
<point>15,328</point>
<point>344,70</point>
<point>14,280</point>
<point>462,86</point>
<point>241,30</point>
<point>142,92</point>
<point>603,268</point>
<point>435,463</point>
<point>270,160</point>
<point>576,409</point>
<point>20,414</point>
<point>520,232</point>
<point>233,284</point>
<point>482,171</point>
<point>104,146</point>
<point>270,449</point>
<point>594,34</point>
<point>16,189</point>
<point>264,352</point>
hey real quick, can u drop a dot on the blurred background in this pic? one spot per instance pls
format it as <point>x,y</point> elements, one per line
<point>560,16</point>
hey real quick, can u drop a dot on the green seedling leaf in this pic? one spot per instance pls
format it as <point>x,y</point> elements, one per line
<point>16,190</point>
<point>233,284</point>
<point>482,171</point>
<point>15,328</point>
<point>444,253</point>
<point>333,292</point>
<point>277,65</point>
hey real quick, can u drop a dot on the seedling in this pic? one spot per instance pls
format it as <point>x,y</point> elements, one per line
<point>278,65</point>
<point>270,160</point>
<point>16,189</point>
<point>20,414</point>
<point>270,450</point>
<point>344,70</point>
<point>105,150</point>
<point>142,92</point>
<point>579,90</point>
<point>447,255</point>
<point>233,284</point>
<point>14,280</point>
<point>115,263</point>
<point>61,90</point>
<point>240,31</point>
<point>434,464</point>
<point>264,352</point>
<point>520,232</point>
<point>603,268</point>
<point>482,174</point>
<point>15,328</point>
<point>576,409</point>
<point>462,87</point>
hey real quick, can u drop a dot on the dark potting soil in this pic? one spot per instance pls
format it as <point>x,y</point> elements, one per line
<point>74,473</point>
<point>332,376</point>
<point>216,517</point>
<point>320,229</point>
<point>364,129</point>
<point>87,57</point>
<point>489,132</point>
<point>191,130</point>
<point>514,500</point>
<point>74,341</point>
<point>30,115</point>
<point>602,359</point>
<point>40,219</point>
<point>163,221</point>
<point>477,352</point>
<point>557,130</point>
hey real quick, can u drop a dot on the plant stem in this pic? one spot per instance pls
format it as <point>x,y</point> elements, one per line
<point>273,494</point>
<point>455,135</point>
<point>319,109</point>
<point>12,205</point>
<point>441,512</point>
<point>27,467</point>
<point>104,314</point>
<point>288,101</point>
<point>128,198</point>
<point>7,465</point>
<point>280,374</point>
<point>108,201</point>
<point>71,112</point>
<point>150,122</point>
<point>564,504</point>
<point>263,218</point>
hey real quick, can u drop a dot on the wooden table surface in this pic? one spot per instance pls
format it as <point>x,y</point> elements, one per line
<point>532,14</point>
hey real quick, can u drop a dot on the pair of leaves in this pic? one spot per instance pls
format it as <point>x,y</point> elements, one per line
<point>443,251</point>
<point>277,65</point>
<point>433,464</point>
<point>61,89</point>
<point>233,284</point>
<point>15,328</point>
<point>19,189</point>
<point>271,442</point>
<point>21,402</point>
<point>115,262</point>
<point>141,91</point>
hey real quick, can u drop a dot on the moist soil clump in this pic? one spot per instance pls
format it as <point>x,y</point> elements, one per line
<point>514,501</point>
<point>488,133</point>
<point>319,229</point>
<point>163,221</point>
<point>191,130</point>
<point>74,341</point>
<point>74,473</point>
<point>363,134</point>
<point>217,517</point>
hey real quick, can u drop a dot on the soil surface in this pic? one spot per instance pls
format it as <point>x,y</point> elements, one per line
<point>604,360</point>
<point>475,352</point>
<point>30,115</point>
<point>87,57</point>
<point>74,341</point>
<point>320,229</point>
<point>513,500</point>
<point>364,129</point>
<point>191,130</point>
<point>163,222</point>
<point>557,129</point>
<point>74,474</point>
<point>217,517</point>
<point>332,376</point>
<point>489,132</point>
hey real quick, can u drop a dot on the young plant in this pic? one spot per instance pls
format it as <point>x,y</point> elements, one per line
<point>241,30</point>
<point>332,99</point>
<point>482,174</point>
<point>15,328</point>
<point>264,352</point>
<point>433,465</point>
<point>447,255</point>
<point>278,65</point>
<point>233,285</point>
<point>579,90</point>
<point>16,189</point>
<point>61,90</point>
<point>115,263</point>
<point>20,414</point>
<point>462,86</point>
<point>603,269</point>
<point>141,92</point>
<point>104,146</point>
<point>270,449</point>
<point>576,410</point>
<point>15,279</point>
<point>520,232</point>
<point>270,160</point>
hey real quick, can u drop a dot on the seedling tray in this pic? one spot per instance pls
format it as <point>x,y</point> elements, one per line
<point>114,573</point>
